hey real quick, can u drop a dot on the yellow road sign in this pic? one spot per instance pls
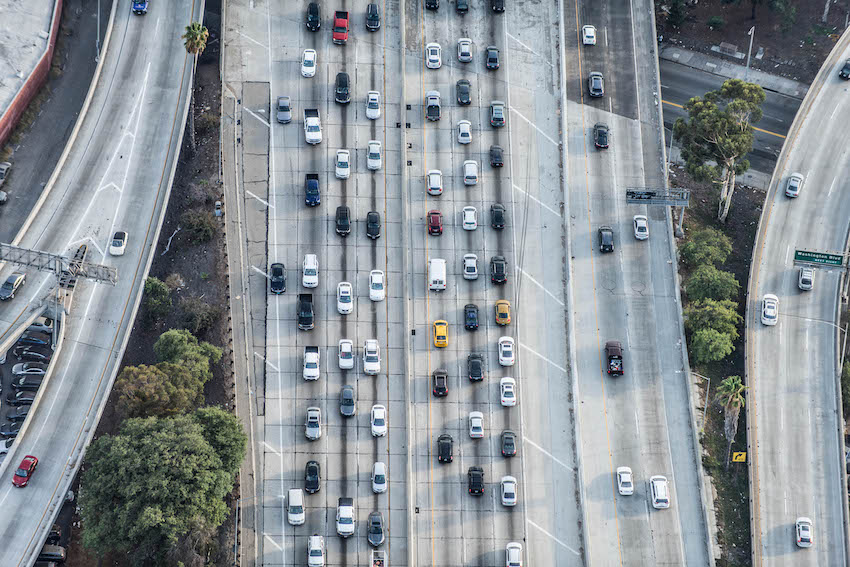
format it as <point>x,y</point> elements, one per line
<point>739,457</point>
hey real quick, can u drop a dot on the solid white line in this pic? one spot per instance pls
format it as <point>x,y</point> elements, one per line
<point>531,50</point>
<point>249,38</point>
<point>553,538</point>
<point>538,201</point>
<point>540,356</point>
<point>530,123</point>
<point>266,203</point>
<point>550,455</point>
<point>258,117</point>
<point>538,284</point>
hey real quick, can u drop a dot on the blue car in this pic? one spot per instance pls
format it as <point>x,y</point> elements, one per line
<point>140,7</point>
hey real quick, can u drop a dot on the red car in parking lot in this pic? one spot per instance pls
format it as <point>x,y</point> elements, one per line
<point>435,222</point>
<point>25,471</point>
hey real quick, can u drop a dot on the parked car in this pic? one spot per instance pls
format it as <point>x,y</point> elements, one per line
<point>33,340</point>
<point>29,369</point>
<point>28,353</point>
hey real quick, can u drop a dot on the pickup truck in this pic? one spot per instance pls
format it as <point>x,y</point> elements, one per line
<point>340,31</point>
<point>432,105</point>
<point>312,126</point>
<point>379,558</point>
<point>305,311</point>
<point>311,363</point>
<point>345,517</point>
<point>614,354</point>
<point>311,190</point>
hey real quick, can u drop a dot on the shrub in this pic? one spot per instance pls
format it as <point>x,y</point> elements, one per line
<point>845,387</point>
<point>706,246</point>
<point>157,299</point>
<point>201,224</point>
<point>198,316</point>
<point>707,282</point>
<point>716,23</point>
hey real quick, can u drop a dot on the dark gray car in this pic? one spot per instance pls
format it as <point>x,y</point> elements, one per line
<point>375,529</point>
<point>11,285</point>
<point>606,239</point>
<point>284,109</point>
<point>347,401</point>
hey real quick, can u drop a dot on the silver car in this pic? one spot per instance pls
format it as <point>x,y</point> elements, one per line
<point>4,171</point>
<point>464,50</point>
<point>284,110</point>
<point>795,185</point>
<point>313,425</point>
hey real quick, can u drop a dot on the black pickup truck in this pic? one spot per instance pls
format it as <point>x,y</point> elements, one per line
<point>305,311</point>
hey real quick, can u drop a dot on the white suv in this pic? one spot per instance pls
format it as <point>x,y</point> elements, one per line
<point>310,276</point>
<point>660,492</point>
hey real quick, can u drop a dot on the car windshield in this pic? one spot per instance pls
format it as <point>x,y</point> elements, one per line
<point>346,520</point>
<point>345,353</point>
<point>310,272</point>
<point>373,103</point>
<point>380,479</point>
<point>379,420</point>
<point>344,298</point>
<point>315,552</point>
<point>312,128</point>
<point>371,357</point>
<point>377,285</point>
<point>8,285</point>
<point>22,472</point>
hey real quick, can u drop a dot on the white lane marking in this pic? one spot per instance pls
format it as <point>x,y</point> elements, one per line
<point>787,253</point>
<point>251,39</point>
<point>553,538</point>
<point>110,185</point>
<point>831,116</point>
<point>266,536</point>
<point>540,356</point>
<point>545,60</point>
<point>261,357</point>
<point>258,117</point>
<point>538,284</point>
<point>634,61</point>
<point>538,201</point>
<point>270,448</point>
<point>834,179</point>
<point>530,123</point>
<point>266,203</point>
<point>259,271</point>
<point>550,455</point>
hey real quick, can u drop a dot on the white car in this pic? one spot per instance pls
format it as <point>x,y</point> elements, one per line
<point>373,105</point>
<point>588,35</point>
<point>118,244</point>
<point>373,155</point>
<point>464,132</point>
<point>315,551</point>
<point>470,172</point>
<point>310,276</point>
<point>513,554</point>
<point>343,164</point>
<point>805,281</point>
<point>371,357</point>
<point>509,491</point>
<point>433,56</point>
<point>346,354</point>
<point>379,420</point>
<point>795,184</point>
<point>377,289</point>
<point>660,492</point>
<point>507,386</point>
<point>470,267</point>
<point>308,63</point>
<point>476,424</point>
<point>464,50</point>
<point>379,477</point>
<point>805,532</point>
<point>506,351</point>
<point>625,484</point>
<point>344,298</point>
<point>434,181</point>
<point>313,425</point>
<point>770,309</point>
<point>346,522</point>
<point>641,227</point>
<point>311,363</point>
<point>470,218</point>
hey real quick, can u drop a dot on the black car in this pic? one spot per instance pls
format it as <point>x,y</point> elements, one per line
<point>312,477</point>
<point>314,17</point>
<point>601,135</point>
<point>277,276</point>
<point>470,316</point>
<point>498,270</point>
<point>492,57</point>
<point>508,443</point>
<point>347,401</point>
<point>373,225</point>
<point>497,156</point>
<point>373,17</point>
<point>10,430</point>
<point>20,398</point>
<point>441,382</point>
<point>497,216</point>
<point>375,529</point>
<point>476,481</point>
<point>31,339</point>
<point>343,220</point>
<point>445,448</point>
<point>463,92</point>
<point>498,5</point>
<point>30,354</point>
<point>844,73</point>
<point>27,382</point>
<point>606,239</point>
<point>55,535</point>
<point>342,89</point>
<point>475,367</point>
<point>462,6</point>
<point>596,84</point>
<point>19,414</point>
<point>432,4</point>
<point>11,285</point>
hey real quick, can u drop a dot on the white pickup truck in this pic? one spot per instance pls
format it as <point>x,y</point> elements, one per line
<point>312,126</point>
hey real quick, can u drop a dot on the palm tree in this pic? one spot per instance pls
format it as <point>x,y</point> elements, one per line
<point>731,394</point>
<point>195,41</point>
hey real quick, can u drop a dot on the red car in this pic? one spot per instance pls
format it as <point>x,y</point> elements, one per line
<point>24,472</point>
<point>435,222</point>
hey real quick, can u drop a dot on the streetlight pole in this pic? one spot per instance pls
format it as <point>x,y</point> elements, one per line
<point>752,34</point>
<point>707,400</point>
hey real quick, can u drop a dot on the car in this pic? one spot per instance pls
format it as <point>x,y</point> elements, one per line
<point>492,57</point>
<point>379,477</point>
<point>32,340</point>
<point>45,327</point>
<point>806,279</point>
<point>476,424</point>
<point>464,50</point>
<point>462,6</point>
<point>28,353</point>
<point>641,225</point>
<point>509,491</point>
<point>601,135</point>
<point>373,17</point>
<point>346,354</point>
<point>312,477</point>
<point>432,105</point>
<point>118,244</point>
<point>508,443</point>
<point>373,155</point>
<point>310,271</point>
<point>432,4</point>
<point>347,401</point>
<point>440,378</point>
<point>343,220</point>
<point>445,448</point>
<point>470,172</point>
<point>470,267</point>
<point>379,420</point>
<point>377,289</point>
<point>20,398</point>
<point>503,312</point>
<point>470,316</point>
<point>308,63</point>
<point>375,529</point>
<point>20,414</point>
<point>498,6</point>
<point>11,285</point>
<point>29,369</point>
<point>497,156</point>
<point>371,357</point>
<point>497,216</point>
<point>342,168</point>
<point>342,88</point>
<point>31,383</point>
<point>441,333</point>
<point>5,167</point>
<point>313,423</point>
<point>659,492</point>
<point>25,471</point>
<point>373,104</point>
<point>513,554</point>
<point>5,445</point>
<point>373,225</point>
<point>794,185</point>
<point>434,182</point>
<point>470,218</point>
<point>10,430</point>
<point>475,481</point>
<point>464,92</point>
<point>284,109</point>
<point>345,517</point>
<point>435,223</point>
<point>475,367</point>
<point>313,18</point>
<point>344,298</point>
<point>315,551</point>
<point>844,73</point>
<point>464,132</point>
<point>606,239</point>
<point>506,351</point>
<point>497,114</point>
<point>498,270</point>
<point>277,278</point>
<point>507,388</point>
<point>805,532</point>
<point>625,484</point>
<point>433,56</point>
<point>311,369</point>
<point>596,84</point>
<point>588,35</point>
<point>769,309</point>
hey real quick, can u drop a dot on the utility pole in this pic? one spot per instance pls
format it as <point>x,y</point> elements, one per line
<point>752,34</point>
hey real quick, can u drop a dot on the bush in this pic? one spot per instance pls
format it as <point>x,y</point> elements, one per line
<point>706,246</point>
<point>707,282</point>
<point>716,23</point>
<point>157,299</point>
<point>845,388</point>
<point>201,224</point>
<point>198,316</point>
<point>677,14</point>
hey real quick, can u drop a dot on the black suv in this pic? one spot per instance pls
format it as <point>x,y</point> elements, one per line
<point>508,443</point>
<point>497,216</point>
<point>343,220</point>
<point>373,225</point>
<point>475,367</point>
<point>498,270</point>
<point>277,276</point>
<point>606,239</point>
<point>342,91</point>
<point>314,17</point>
<point>445,448</point>
<point>600,135</point>
<point>476,481</point>
<point>441,382</point>
<point>462,6</point>
<point>27,382</point>
<point>498,5</point>
<point>497,157</point>
<point>29,354</point>
<point>844,73</point>
<point>373,17</point>
<point>463,90</point>
<point>312,477</point>
<point>432,4</point>
<point>470,316</point>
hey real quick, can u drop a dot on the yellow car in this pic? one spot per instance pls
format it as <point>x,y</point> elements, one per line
<point>441,333</point>
<point>503,312</point>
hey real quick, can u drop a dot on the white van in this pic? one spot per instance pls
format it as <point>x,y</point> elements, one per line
<point>436,274</point>
<point>295,507</point>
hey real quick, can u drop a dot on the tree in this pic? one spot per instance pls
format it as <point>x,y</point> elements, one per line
<point>198,315</point>
<point>677,13</point>
<point>225,434</point>
<point>157,299</point>
<point>707,282</point>
<point>195,41</point>
<point>179,346</point>
<point>718,135</point>
<point>730,393</point>
<point>720,315</point>
<point>710,345</point>
<point>707,246</point>
<point>162,390</point>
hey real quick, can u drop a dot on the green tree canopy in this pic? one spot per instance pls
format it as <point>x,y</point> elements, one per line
<point>161,390</point>
<point>710,345</point>
<point>157,298</point>
<point>179,346</point>
<point>195,38</point>
<point>706,246</point>
<point>707,282</point>
<point>225,434</point>
<point>713,314</point>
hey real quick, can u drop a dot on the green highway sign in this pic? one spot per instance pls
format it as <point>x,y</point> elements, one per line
<point>818,258</point>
